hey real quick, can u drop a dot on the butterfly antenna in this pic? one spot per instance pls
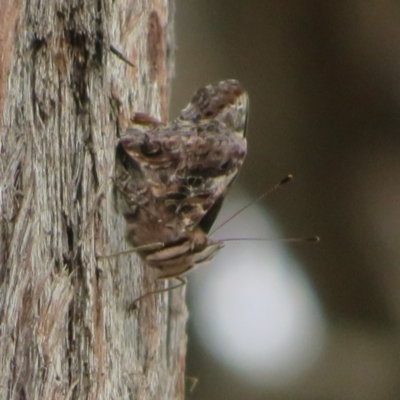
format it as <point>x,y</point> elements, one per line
<point>314,239</point>
<point>286,179</point>
<point>182,282</point>
<point>146,247</point>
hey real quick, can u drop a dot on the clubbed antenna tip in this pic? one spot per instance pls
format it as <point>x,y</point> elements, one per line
<point>286,179</point>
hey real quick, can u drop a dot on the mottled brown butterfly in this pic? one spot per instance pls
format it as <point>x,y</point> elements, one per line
<point>171,179</point>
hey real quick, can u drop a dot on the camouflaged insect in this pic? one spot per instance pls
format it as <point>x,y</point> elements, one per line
<point>171,179</point>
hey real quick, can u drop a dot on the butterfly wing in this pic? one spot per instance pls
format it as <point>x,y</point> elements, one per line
<point>189,164</point>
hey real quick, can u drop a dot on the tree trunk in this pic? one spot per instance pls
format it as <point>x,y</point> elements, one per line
<point>64,100</point>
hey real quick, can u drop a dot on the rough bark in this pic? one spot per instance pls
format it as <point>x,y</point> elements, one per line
<point>64,99</point>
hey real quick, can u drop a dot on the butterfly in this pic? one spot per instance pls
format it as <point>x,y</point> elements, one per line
<point>171,179</point>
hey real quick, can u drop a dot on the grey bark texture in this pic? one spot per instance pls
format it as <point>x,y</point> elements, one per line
<point>64,100</point>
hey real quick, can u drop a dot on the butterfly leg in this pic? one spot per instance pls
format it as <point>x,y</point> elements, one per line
<point>182,282</point>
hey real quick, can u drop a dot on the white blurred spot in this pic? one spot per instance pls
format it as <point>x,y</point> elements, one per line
<point>253,308</point>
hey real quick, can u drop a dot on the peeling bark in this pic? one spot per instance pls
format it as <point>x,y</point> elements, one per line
<point>64,98</point>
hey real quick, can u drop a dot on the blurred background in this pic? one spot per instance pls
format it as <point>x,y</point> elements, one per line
<point>277,321</point>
